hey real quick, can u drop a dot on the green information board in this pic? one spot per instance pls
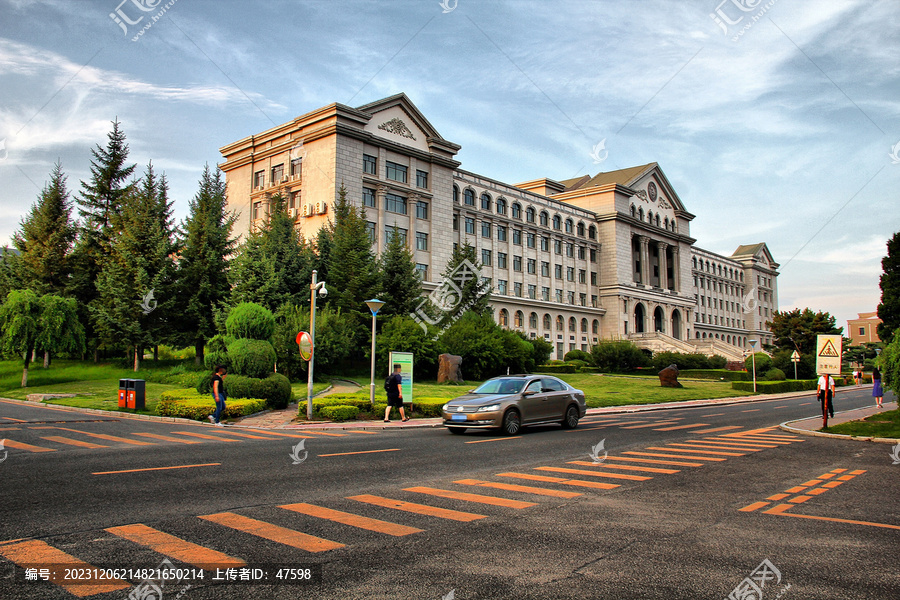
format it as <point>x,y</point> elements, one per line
<point>405,360</point>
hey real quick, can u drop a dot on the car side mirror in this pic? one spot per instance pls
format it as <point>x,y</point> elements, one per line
<point>528,393</point>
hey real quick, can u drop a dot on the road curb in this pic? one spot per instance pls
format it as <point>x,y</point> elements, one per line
<point>786,426</point>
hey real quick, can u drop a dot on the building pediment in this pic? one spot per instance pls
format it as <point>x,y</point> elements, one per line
<point>398,120</point>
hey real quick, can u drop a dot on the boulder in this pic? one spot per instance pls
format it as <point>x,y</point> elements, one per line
<point>668,377</point>
<point>448,368</point>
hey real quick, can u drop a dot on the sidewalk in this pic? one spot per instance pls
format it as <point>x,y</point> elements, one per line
<point>812,425</point>
<point>277,419</point>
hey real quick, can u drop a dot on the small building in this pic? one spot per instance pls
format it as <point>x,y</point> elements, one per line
<point>864,329</point>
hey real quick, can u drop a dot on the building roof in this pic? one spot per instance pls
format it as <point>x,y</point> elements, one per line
<point>748,249</point>
<point>622,177</point>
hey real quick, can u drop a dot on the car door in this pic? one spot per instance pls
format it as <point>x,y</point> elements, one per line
<point>557,398</point>
<point>533,402</point>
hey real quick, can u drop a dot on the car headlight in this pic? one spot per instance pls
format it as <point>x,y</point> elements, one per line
<point>445,407</point>
<point>489,408</point>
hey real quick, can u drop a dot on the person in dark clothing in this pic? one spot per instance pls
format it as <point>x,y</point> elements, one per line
<point>218,392</point>
<point>395,395</point>
<point>877,389</point>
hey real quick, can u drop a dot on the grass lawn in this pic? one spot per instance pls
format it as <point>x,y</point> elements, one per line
<point>884,425</point>
<point>300,389</point>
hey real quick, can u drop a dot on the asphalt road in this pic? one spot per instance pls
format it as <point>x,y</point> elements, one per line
<point>672,528</point>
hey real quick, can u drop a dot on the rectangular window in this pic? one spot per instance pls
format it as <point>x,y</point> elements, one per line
<point>295,200</point>
<point>532,266</point>
<point>557,271</point>
<point>532,294</point>
<point>594,303</point>
<point>529,239</point>
<point>582,299</point>
<point>256,206</point>
<point>394,203</point>
<point>422,271</point>
<point>421,241</point>
<point>277,173</point>
<point>571,297</point>
<point>545,269</point>
<point>370,231</point>
<point>862,331</point>
<point>557,246</point>
<point>517,263</point>
<point>389,233</point>
<point>545,294</point>
<point>570,273</point>
<point>421,209</point>
<point>559,296</point>
<point>369,197</point>
<point>486,258</point>
<point>395,172</point>
<point>517,237</point>
<point>517,287</point>
<point>296,167</point>
<point>470,225</point>
<point>582,276</point>
<point>486,229</point>
<point>581,252</point>
<point>370,164</point>
<point>455,222</point>
<point>570,250</point>
<point>501,286</point>
<point>501,260</point>
<point>593,255</point>
<point>421,179</point>
<point>545,243</point>
<point>501,233</point>
<point>259,179</point>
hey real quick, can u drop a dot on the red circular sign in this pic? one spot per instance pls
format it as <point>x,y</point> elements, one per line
<point>304,341</point>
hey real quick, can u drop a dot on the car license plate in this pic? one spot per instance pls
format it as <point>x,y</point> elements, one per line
<point>458,417</point>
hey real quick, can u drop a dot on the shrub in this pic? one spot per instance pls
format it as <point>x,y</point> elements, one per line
<point>251,321</point>
<point>763,363</point>
<point>251,358</point>
<point>714,374</point>
<point>775,387</point>
<point>487,349</point>
<point>340,412</point>
<point>717,362</point>
<point>557,369</point>
<point>190,404</point>
<point>580,355</point>
<point>661,360</point>
<point>578,363</point>
<point>403,334</point>
<point>274,389</point>
<point>618,356</point>
<point>542,349</point>
<point>775,374</point>
<point>216,352</point>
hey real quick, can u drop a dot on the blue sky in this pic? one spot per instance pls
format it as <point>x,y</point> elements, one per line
<point>777,125</point>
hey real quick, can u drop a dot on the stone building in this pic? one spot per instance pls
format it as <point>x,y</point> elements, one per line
<point>573,261</point>
<point>864,329</point>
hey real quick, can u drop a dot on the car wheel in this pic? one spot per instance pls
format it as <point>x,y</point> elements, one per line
<point>570,421</point>
<point>511,422</point>
<point>456,430</point>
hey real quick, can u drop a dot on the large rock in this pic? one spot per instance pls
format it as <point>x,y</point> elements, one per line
<point>448,368</point>
<point>668,377</point>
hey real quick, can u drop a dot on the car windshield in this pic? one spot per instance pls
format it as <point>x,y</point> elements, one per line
<point>500,386</point>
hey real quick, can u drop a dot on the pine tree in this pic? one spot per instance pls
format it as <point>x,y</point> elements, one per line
<point>293,257</point>
<point>203,263</point>
<point>253,274</point>
<point>401,286</point>
<point>462,289</point>
<point>46,237</point>
<point>352,268</point>
<point>889,308</point>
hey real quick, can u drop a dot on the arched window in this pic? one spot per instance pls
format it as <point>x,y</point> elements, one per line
<point>545,218</point>
<point>592,232</point>
<point>572,324</point>
<point>560,323</point>
<point>529,214</point>
<point>470,197</point>
<point>659,320</point>
<point>580,229</point>
<point>595,327</point>
<point>698,334</point>
<point>704,335</point>
<point>557,222</point>
<point>633,211</point>
<point>695,262</point>
<point>639,318</point>
<point>584,326</point>
<point>455,195</point>
<point>569,226</point>
<point>485,201</point>
<point>547,323</point>
<point>504,318</point>
<point>519,319</point>
<point>516,210</point>
<point>532,320</point>
<point>501,206</point>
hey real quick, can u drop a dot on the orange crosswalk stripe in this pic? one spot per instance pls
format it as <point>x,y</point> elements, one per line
<point>657,424</point>
<point>244,435</point>
<point>102,436</point>
<point>716,429</point>
<point>174,547</point>
<point>593,473</point>
<point>280,434</point>
<point>23,446</point>
<point>686,448</point>
<point>518,488</point>
<point>608,465</point>
<point>677,427</point>
<point>166,438</point>
<point>307,431</point>
<point>419,509</point>
<point>654,461</point>
<point>275,533</point>
<point>718,446</point>
<point>71,442</point>
<point>493,500</point>
<point>38,554</point>
<point>576,482</point>
<point>751,444</point>
<point>351,519</point>
<point>204,436</point>
<point>754,506</point>
<point>711,458</point>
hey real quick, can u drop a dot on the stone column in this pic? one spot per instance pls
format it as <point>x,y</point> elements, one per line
<point>380,191</point>
<point>411,203</point>
<point>663,264</point>
<point>645,260</point>
<point>676,269</point>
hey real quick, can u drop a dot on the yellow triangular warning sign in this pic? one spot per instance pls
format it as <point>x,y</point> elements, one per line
<point>828,350</point>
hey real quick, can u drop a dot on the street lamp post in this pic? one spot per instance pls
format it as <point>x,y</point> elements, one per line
<point>314,288</point>
<point>753,360</point>
<point>374,306</point>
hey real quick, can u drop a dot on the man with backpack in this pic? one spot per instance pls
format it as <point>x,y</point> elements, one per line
<point>393,387</point>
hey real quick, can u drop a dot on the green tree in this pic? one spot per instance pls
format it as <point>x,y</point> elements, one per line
<point>253,274</point>
<point>46,237</point>
<point>619,356</point>
<point>10,271</point>
<point>797,329</point>
<point>20,319</point>
<point>401,333</point>
<point>487,349</point>
<point>352,269</point>
<point>334,341</point>
<point>889,362</point>
<point>889,308</point>
<point>462,273</point>
<point>60,330</point>
<point>401,286</point>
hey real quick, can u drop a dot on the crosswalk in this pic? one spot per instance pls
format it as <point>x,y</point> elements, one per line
<point>461,501</point>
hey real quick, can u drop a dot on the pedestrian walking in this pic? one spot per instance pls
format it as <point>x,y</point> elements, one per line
<point>825,392</point>
<point>877,390</point>
<point>394,388</point>
<point>218,392</point>
<point>857,376</point>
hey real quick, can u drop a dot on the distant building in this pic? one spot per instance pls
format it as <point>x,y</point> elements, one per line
<point>864,329</point>
<point>573,261</point>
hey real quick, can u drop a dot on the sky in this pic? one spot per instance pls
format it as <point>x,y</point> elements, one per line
<point>776,121</point>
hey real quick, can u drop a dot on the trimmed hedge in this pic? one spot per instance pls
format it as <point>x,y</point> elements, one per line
<point>340,412</point>
<point>190,404</point>
<point>251,358</point>
<point>775,374</point>
<point>558,369</point>
<point>426,407</point>
<point>251,321</point>
<point>775,387</point>
<point>275,389</point>
<point>716,374</point>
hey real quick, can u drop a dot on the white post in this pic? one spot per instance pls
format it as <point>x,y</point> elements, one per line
<point>312,337</point>
<point>753,360</point>
<point>372,382</point>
